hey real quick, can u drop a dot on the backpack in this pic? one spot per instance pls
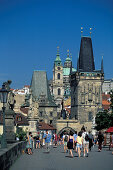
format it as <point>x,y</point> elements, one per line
<point>86,137</point>
<point>65,138</point>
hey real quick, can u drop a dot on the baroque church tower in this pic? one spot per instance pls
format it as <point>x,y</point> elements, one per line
<point>86,85</point>
<point>58,87</point>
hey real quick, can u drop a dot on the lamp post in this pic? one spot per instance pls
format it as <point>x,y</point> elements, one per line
<point>3,94</point>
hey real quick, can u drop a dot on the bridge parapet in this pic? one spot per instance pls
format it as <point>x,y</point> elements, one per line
<point>10,154</point>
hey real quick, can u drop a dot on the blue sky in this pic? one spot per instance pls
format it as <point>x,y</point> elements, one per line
<point>31,30</point>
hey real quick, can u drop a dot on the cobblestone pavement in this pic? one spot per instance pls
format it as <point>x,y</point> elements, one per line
<point>58,160</point>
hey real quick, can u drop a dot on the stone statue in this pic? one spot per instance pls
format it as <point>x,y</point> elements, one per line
<point>10,100</point>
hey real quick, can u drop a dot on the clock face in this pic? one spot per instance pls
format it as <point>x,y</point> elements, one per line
<point>58,68</point>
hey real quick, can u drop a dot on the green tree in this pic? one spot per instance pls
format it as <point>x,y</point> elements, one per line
<point>111,106</point>
<point>20,133</point>
<point>111,96</point>
<point>103,120</point>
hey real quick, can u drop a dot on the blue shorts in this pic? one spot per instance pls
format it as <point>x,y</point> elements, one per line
<point>79,146</point>
<point>38,141</point>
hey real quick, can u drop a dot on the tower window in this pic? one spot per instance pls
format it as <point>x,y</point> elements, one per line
<point>58,75</point>
<point>40,114</point>
<point>51,113</point>
<point>58,68</point>
<point>90,116</point>
<point>59,91</point>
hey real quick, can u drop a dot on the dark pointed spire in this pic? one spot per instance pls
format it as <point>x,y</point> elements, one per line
<point>78,63</point>
<point>86,59</point>
<point>102,67</point>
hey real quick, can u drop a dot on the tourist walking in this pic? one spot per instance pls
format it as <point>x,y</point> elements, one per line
<point>70,143</point>
<point>79,143</point>
<point>47,138</point>
<point>29,143</point>
<point>90,140</point>
<point>75,140</point>
<point>85,142</point>
<point>65,139</point>
<point>100,139</point>
<point>38,141</point>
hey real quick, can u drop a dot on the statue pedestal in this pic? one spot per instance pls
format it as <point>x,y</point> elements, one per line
<point>33,126</point>
<point>9,123</point>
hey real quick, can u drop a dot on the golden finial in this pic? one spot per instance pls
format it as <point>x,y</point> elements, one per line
<point>81,31</point>
<point>71,56</point>
<point>90,31</point>
<point>68,53</point>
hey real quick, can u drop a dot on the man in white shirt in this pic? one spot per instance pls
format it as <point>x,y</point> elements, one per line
<point>85,141</point>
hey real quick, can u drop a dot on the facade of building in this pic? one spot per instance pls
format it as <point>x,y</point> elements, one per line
<point>86,85</point>
<point>42,107</point>
<point>57,84</point>
<point>107,86</point>
<point>60,86</point>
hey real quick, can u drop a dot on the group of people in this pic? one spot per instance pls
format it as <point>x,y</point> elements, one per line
<point>83,140</point>
<point>77,142</point>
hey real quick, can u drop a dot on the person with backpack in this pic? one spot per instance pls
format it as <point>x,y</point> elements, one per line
<point>90,140</point>
<point>65,139</point>
<point>85,142</point>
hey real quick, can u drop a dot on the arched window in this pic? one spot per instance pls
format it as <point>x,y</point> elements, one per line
<point>58,76</point>
<point>59,91</point>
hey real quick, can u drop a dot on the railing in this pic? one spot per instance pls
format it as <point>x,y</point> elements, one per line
<point>10,154</point>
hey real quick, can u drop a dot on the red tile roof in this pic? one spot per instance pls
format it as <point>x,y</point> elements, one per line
<point>24,110</point>
<point>45,126</point>
<point>23,121</point>
<point>105,101</point>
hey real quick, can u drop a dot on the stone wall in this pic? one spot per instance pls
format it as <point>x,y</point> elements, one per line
<point>74,124</point>
<point>10,154</point>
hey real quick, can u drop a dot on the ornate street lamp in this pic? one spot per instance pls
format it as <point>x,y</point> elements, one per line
<point>3,96</point>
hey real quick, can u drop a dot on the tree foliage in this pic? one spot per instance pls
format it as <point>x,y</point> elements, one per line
<point>103,120</point>
<point>21,134</point>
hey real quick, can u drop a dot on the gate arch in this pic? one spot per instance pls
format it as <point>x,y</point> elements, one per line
<point>68,129</point>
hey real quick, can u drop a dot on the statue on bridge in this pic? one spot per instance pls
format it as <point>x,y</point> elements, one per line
<point>10,101</point>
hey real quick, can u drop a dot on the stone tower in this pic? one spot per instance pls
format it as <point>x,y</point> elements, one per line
<point>86,85</point>
<point>58,87</point>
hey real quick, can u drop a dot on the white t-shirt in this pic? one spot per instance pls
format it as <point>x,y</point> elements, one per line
<point>83,135</point>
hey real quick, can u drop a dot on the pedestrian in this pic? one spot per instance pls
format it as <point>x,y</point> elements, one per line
<point>47,138</point>
<point>79,143</point>
<point>38,140</point>
<point>65,139</point>
<point>85,142</point>
<point>29,143</point>
<point>75,140</point>
<point>55,139</point>
<point>100,139</point>
<point>90,140</point>
<point>70,143</point>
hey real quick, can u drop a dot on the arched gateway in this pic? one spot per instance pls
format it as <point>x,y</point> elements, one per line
<point>67,129</point>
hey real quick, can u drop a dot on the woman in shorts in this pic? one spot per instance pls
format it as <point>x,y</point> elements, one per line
<point>79,143</point>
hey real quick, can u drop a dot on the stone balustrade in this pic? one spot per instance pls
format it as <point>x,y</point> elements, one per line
<point>10,154</point>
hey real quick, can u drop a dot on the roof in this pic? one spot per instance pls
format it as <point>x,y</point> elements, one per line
<point>40,87</point>
<point>86,59</point>
<point>45,126</point>
<point>66,71</point>
<point>106,101</point>
<point>23,121</point>
<point>24,110</point>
